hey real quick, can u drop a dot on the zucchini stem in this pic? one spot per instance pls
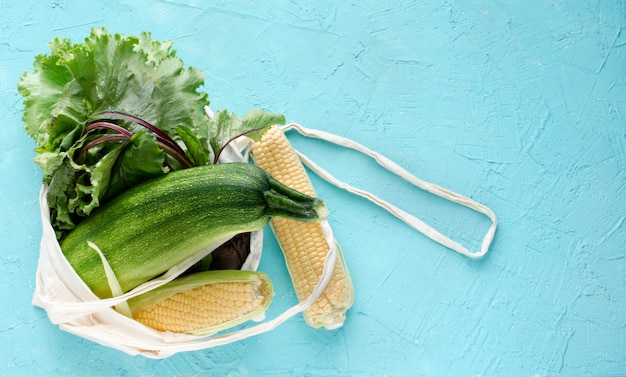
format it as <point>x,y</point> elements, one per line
<point>286,202</point>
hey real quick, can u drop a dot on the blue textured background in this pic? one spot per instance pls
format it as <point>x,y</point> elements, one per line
<point>519,105</point>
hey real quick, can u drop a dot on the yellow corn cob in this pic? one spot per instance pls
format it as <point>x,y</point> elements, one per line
<point>205,302</point>
<point>303,244</point>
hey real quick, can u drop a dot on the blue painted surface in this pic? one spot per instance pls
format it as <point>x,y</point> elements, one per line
<point>519,105</point>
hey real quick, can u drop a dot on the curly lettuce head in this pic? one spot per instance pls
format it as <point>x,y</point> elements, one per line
<point>106,72</point>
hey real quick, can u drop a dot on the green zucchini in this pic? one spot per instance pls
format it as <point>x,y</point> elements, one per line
<point>152,227</point>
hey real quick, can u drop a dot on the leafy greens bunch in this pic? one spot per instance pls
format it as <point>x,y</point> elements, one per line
<point>114,111</point>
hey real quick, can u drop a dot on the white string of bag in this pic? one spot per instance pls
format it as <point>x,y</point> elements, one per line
<point>406,217</point>
<point>71,304</point>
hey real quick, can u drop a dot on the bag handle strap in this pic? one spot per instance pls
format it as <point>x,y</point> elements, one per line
<point>406,217</point>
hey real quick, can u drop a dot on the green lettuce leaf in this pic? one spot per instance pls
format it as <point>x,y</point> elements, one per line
<point>197,151</point>
<point>139,160</point>
<point>134,75</point>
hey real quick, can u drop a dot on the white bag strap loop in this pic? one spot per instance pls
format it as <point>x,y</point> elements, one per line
<point>406,217</point>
